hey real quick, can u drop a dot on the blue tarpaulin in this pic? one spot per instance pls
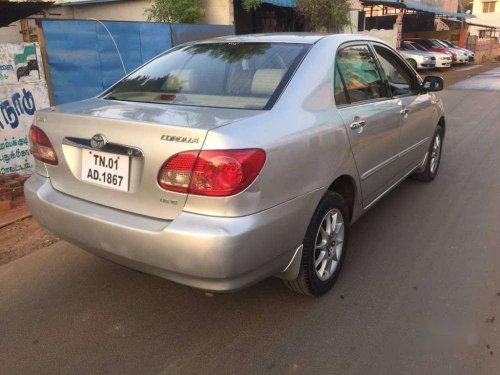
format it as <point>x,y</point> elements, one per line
<point>282,3</point>
<point>83,60</point>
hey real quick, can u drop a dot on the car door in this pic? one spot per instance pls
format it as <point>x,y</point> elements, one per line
<point>371,116</point>
<point>416,109</point>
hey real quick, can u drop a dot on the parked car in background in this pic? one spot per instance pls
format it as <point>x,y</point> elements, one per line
<point>462,56</point>
<point>417,59</point>
<point>469,53</point>
<point>434,47</point>
<point>223,162</point>
<point>418,56</point>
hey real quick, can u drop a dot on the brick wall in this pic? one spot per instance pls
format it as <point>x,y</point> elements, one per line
<point>11,186</point>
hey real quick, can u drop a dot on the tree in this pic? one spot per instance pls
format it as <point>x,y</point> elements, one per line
<point>175,11</point>
<point>325,15</point>
<point>322,15</point>
<point>249,5</point>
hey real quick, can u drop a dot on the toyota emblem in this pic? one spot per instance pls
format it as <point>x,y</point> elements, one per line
<point>98,141</point>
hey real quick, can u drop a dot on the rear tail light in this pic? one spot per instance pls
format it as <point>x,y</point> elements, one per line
<point>211,173</point>
<point>40,145</point>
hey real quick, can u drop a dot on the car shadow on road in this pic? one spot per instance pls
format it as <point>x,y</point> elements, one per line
<point>85,302</point>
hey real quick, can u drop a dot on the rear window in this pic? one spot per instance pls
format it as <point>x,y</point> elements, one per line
<point>229,75</point>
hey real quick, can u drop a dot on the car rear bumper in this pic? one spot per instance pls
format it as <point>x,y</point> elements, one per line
<point>211,253</point>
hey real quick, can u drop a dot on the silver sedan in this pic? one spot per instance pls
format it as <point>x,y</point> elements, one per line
<point>223,162</point>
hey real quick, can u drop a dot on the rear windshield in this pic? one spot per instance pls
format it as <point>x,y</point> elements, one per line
<point>229,75</point>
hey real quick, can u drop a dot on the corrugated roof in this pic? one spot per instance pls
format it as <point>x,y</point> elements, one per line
<point>14,11</point>
<point>66,3</point>
<point>413,5</point>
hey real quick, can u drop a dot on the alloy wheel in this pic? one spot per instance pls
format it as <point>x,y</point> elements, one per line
<point>329,244</point>
<point>435,153</point>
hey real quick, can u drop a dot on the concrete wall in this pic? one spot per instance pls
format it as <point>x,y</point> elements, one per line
<point>217,12</point>
<point>486,49</point>
<point>11,33</point>
<point>388,36</point>
<point>23,90</point>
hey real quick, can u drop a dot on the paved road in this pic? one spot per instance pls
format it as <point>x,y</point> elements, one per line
<point>418,295</point>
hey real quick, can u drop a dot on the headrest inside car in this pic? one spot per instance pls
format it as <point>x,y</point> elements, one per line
<point>265,81</point>
<point>179,80</point>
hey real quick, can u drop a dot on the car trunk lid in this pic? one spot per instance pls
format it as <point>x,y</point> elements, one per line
<point>98,138</point>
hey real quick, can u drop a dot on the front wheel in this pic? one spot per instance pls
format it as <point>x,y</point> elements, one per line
<point>413,63</point>
<point>325,246</point>
<point>434,157</point>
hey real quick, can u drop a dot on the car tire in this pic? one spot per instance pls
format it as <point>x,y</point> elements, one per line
<point>434,157</point>
<point>324,247</point>
<point>413,63</point>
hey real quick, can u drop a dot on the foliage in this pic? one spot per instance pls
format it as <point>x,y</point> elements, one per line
<point>322,15</point>
<point>249,5</point>
<point>230,52</point>
<point>325,15</point>
<point>175,11</point>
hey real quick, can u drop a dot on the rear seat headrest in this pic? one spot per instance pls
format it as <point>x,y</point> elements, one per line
<point>265,81</point>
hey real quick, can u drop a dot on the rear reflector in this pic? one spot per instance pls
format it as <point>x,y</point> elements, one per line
<point>40,145</point>
<point>218,173</point>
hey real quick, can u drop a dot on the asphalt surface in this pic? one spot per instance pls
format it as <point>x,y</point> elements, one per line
<point>419,293</point>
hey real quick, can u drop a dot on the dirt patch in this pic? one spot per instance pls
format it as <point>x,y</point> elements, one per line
<point>22,238</point>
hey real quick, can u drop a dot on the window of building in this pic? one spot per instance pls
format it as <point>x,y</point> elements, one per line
<point>489,7</point>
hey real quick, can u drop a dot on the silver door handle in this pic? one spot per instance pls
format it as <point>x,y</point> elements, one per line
<point>357,124</point>
<point>405,111</point>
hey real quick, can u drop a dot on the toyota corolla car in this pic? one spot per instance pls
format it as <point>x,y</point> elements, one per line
<point>221,163</point>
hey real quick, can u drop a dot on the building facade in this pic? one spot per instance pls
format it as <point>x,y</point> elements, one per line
<point>487,14</point>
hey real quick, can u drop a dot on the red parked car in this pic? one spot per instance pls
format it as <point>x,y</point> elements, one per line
<point>432,46</point>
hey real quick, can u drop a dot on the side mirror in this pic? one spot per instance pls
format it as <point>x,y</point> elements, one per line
<point>433,83</point>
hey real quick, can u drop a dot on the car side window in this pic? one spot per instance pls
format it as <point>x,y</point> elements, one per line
<point>339,91</point>
<point>399,78</point>
<point>358,70</point>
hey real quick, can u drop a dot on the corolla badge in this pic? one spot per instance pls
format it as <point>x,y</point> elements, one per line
<point>98,141</point>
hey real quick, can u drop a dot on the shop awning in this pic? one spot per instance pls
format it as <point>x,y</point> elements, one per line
<point>425,8</point>
<point>281,3</point>
<point>14,11</point>
<point>413,5</point>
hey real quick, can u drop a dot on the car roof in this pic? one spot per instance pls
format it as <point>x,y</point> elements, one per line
<point>302,38</point>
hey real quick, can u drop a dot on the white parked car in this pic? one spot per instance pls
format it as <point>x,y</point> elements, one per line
<point>418,59</point>
<point>411,50</point>
<point>468,52</point>
<point>462,56</point>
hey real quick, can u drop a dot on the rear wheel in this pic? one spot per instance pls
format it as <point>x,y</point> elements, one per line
<point>324,248</point>
<point>433,159</point>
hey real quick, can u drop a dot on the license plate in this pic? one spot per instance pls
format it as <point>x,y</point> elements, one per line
<point>105,169</point>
